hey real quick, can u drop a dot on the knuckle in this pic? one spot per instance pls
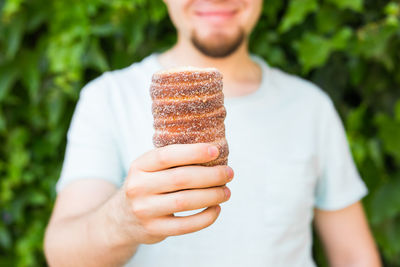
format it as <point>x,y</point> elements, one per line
<point>221,173</point>
<point>153,230</point>
<point>202,150</point>
<point>221,194</point>
<point>133,174</point>
<point>180,203</point>
<point>178,179</point>
<point>183,227</point>
<point>139,210</point>
<point>161,156</point>
<point>133,168</point>
<point>211,218</point>
<point>198,151</point>
<point>135,189</point>
<point>149,228</point>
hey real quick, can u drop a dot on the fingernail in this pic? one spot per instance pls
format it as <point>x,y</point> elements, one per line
<point>229,173</point>
<point>213,151</point>
<point>227,192</point>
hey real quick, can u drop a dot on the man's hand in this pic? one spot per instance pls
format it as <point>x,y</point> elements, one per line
<point>95,224</point>
<point>163,182</point>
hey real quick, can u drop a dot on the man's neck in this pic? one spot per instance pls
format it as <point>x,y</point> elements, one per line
<point>241,74</point>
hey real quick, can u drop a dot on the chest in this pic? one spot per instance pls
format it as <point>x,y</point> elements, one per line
<point>272,154</point>
<point>275,166</point>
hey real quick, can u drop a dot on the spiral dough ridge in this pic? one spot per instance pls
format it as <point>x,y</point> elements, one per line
<point>188,107</point>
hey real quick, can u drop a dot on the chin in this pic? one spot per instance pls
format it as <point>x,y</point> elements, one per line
<point>216,35</point>
<point>218,44</point>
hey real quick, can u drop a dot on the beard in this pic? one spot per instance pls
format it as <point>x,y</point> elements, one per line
<point>219,45</point>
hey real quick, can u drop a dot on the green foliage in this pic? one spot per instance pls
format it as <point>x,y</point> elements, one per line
<point>296,13</point>
<point>50,49</point>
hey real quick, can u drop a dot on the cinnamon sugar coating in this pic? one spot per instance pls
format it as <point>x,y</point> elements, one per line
<point>188,107</point>
<point>193,105</point>
<point>164,89</point>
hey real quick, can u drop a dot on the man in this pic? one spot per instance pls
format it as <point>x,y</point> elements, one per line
<point>119,199</point>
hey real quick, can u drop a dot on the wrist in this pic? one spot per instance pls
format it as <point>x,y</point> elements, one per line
<point>111,222</point>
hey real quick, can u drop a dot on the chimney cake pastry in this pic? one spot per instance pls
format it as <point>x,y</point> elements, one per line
<point>188,107</point>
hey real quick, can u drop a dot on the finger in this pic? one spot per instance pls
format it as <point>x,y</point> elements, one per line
<point>176,155</point>
<point>187,177</point>
<point>171,226</point>
<point>166,204</point>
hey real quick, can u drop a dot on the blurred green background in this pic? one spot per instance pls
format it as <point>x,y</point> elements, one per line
<point>50,49</point>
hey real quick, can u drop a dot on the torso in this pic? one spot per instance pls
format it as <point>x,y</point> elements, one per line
<point>267,221</point>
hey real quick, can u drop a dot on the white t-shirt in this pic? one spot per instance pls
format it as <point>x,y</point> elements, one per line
<point>287,147</point>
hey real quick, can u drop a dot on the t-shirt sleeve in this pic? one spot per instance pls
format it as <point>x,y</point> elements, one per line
<point>339,184</point>
<point>92,150</point>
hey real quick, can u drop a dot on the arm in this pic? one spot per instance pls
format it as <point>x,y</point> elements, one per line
<point>346,237</point>
<point>94,224</point>
<point>82,232</point>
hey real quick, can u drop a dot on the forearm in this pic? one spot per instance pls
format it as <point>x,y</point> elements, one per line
<point>91,239</point>
<point>357,263</point>
<point>346,237</point>
<point>360,259</point>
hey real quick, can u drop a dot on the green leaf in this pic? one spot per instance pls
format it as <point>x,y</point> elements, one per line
<point>355,119</point>
<point>386,201</point>
<point>358,149</point>
<point>313,50</point>
<point>341,39</point>
<point>8,260</point>
<point>39,17</point>
<point>388,238</point>
<point>8,77</point>
<point>104,29</point>
<point>264,46</point>
<point>11,7</point>
<point>157,10</point>
<point>29,62</point>
<point>5,238</point>
<point>296,13</point>
<point>392,9</point>
<point>397,111</point>
<point>55,108</point>
<point>3,124</point>
<point>37,198</point>
<point>373,41</point>
<point>376,153</point>
<point>96,57</point>
<point>30,243</point>
<point>14,36</point>
<point>20,157</point>
<point>356,5</point>
<point>389,132</point>
<point>271,9</point>
<point>328,19</point>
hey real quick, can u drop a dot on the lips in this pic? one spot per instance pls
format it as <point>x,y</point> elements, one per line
<point>216,16</point>
<point>217,13</point>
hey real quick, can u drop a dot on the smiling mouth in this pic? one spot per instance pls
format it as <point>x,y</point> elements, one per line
<point>223,14</point>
